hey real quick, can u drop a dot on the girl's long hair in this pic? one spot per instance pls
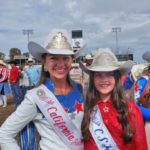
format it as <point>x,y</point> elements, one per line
<point>119,102</point>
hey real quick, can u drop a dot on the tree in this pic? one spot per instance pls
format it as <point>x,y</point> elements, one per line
<point>14,52</point>
<point>26,54</point>
<point>2,55</point>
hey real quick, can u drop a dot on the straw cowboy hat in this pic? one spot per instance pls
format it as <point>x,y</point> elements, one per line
<point>2,63</point>
<point>58,45</point>
<point>137,71</point>
<point>146,56</point>
<point>104,61</point>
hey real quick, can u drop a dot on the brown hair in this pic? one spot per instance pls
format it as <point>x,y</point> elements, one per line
<point>119,102</point>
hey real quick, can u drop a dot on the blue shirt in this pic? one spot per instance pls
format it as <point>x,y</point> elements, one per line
<point>71,102</point>
<point>33,73</point>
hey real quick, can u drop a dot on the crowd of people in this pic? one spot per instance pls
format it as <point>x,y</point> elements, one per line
<point>93,114</point>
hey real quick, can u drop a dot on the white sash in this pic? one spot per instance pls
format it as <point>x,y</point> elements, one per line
<point>100,134</point>
<point>58,118</point>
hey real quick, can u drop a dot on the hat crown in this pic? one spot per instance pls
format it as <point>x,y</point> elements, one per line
<point>59,41</point>
<point>2,62</point>
<point>105,58</point>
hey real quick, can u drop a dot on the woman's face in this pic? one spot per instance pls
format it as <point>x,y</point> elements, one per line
<point>104,83</point>
<point>58,65</point>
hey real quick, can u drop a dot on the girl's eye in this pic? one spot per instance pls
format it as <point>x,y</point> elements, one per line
<point>110,74</point>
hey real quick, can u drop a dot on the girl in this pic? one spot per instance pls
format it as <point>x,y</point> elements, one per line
<point>110,121</point>
<point>55,105</point>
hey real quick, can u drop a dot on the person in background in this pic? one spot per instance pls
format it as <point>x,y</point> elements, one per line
<point>33,72</point>
<point>140,86</point>
<point>13,79</point>
<point>87,60</point>
<point>4,86</point>
<point>110,120</point>
<point>23,81</point>
<point>55,105</point>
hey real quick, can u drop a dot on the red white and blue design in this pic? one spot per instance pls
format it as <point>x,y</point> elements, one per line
<point>72,102</point>
<point>138,89</point>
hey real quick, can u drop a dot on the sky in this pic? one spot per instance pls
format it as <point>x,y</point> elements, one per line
<point>95,18</point>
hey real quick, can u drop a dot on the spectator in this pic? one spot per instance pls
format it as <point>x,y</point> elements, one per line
<point>33,73</point>
<point>4,86</point>
<point>23,81</point>
<point>13,79</point>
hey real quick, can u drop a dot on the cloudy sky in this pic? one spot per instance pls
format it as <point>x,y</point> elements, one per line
<point>95,18</point>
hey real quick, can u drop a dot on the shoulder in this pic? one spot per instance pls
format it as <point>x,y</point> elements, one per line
<point>133,108</point>
<point>78,85</point>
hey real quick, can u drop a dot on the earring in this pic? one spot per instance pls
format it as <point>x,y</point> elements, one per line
<point>45,69</point>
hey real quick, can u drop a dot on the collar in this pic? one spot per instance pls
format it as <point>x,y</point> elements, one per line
<point>100,101</point>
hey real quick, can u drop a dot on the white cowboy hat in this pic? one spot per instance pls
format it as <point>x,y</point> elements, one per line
<point>58,45</point>
<point>30,60</point>
<point>2,63</point>
<point>146,56</point>
<point>88,56</point>
<point>104,61</point>
<point>137,71</point>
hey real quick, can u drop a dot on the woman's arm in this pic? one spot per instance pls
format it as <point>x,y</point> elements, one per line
<point>24,113</point>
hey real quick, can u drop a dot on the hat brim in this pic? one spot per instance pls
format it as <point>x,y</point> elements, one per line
<point>37,50</point>
<point>3,64</point>
<point>146,56</point>
<point>124,68</point>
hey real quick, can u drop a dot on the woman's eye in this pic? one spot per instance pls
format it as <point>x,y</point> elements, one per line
<point>65,58</point>
<point>53,58</point>
<point>97,74</point>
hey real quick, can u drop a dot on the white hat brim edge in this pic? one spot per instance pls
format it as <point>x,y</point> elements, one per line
<point>37,50</point>
<point>124,68</point>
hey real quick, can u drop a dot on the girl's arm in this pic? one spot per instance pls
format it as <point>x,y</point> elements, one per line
<point>139,141</point>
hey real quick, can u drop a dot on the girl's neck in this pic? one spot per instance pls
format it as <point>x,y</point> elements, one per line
<point>105,98</point>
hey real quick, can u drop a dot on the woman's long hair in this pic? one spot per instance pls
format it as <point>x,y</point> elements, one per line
<point>45,74</point>
<point>119,103</point>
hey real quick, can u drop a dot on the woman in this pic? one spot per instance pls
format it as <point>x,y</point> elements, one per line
<point>110,121</point>
<point>4,87</point>
<point>55,105</point>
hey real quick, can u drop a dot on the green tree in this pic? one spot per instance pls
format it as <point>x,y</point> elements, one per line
<point>14,52</point>
<point>2,56</point>
<point>26,54</point>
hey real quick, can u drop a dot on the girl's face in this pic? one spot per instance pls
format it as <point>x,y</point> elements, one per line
<point>58,66</point>
<point>104,83</point>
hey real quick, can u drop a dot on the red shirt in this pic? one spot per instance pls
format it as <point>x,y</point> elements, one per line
<point>14,74</point>
<point>109,115</point>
